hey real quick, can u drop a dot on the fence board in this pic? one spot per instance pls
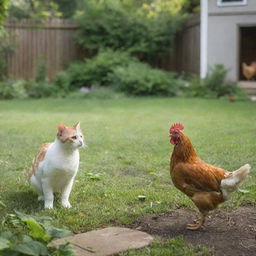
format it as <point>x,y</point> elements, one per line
<point>187,51</point>
<point>52,41</point>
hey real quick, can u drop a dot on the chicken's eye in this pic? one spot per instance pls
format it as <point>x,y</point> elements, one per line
<point>74,137</point>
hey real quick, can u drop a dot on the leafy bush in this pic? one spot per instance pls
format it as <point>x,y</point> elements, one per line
<point>20,89</point>
<point>12,89</point>
<point>141,79</point>
<point>38,88</point>
<point>41,71</point>
<point>116,68</point>
<point>6,46</point>
<point>62,82</point>
<point>94,71</point>
<point>110,24</point>
<point>41,89</point>
<point>214,85</point>
<point>27,235</point>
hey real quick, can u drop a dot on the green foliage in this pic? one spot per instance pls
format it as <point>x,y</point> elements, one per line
<point>62,82</point>
<point>41,89</point>
<point>3,10</point>
<point>156,8</point>
<point>12,89</point>
<point>28,235</point>
<point>141,79</point>
<point>33,9</point>
<point>192,6</point>
<point>20,89</point>
<point>214,85</point>
<point>115,68</point>
<point>94,71</point>
<point>68,8</point>
<point>6,46</point>
<point>41,71</point>
<point>110,24</point>
<point>41,9</point>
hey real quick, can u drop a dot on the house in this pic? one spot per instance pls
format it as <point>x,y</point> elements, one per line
<point>228,35</point>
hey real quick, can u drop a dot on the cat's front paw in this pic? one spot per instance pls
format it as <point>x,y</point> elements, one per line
<point>48,205</point>
<point>66,204</point>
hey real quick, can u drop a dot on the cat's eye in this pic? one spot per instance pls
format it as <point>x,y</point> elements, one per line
<point>74,137</point>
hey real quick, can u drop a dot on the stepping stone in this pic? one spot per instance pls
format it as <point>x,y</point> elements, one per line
<point>106,241</point>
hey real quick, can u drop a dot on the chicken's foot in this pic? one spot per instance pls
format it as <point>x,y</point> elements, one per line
<point>198,223</point>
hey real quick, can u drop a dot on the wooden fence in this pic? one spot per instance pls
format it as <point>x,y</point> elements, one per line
<point>187,53</point>
<point>54,43</point>
<point>185,57</point>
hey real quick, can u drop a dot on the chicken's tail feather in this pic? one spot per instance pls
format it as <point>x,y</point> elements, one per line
<point>232,183</point>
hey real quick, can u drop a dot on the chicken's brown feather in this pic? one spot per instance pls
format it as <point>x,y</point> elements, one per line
<point>196,177</point>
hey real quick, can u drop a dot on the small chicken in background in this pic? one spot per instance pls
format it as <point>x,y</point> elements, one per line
<point>249,71</point>
<point>206,185</point>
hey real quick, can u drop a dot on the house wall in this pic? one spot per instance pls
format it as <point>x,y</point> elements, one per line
<point>223,34</point>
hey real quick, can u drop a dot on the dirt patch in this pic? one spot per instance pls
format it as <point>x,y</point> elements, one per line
<point>227,233</point>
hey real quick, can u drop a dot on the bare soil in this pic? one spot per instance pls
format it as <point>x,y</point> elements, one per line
<point>227,233</point>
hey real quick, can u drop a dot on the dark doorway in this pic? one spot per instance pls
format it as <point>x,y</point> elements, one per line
<point>247,48</point>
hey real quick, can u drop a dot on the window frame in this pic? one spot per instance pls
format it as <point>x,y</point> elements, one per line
<point>234,3</point>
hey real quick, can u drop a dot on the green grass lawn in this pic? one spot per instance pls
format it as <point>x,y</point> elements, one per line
<point>127,155</point>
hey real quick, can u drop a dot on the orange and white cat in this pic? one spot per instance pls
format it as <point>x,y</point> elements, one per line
<point>56,164</point>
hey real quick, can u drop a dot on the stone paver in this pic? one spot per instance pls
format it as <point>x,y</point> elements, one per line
<point>107,241</point>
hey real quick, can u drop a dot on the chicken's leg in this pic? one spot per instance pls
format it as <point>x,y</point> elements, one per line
<point>199,223</point>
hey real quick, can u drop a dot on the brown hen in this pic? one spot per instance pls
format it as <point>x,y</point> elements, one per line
<point>206,185</point>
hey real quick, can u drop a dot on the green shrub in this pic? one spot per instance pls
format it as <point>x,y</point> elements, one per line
<point>62,82</point>
<point>6,46</point>
<point>141,79</point>
<point>110,24</point>
<point>41,70</point>
<point>94,71</point>
<point>41,89</point>
<point>116,68</point>
<point>20,89</point>
<point>12,89</point>
<point>214,85</point>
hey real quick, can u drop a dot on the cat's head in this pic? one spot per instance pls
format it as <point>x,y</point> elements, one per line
<point>71,136</point>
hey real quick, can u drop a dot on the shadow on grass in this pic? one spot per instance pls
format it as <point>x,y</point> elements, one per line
<point>23,201</point>
<point>27,202</point>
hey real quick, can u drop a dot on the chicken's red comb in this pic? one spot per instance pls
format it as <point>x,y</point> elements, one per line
<point>176,127</point>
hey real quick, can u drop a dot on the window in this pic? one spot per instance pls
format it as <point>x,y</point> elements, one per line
<point>231,2</point>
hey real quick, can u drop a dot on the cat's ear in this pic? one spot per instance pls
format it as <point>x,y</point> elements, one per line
<point>77,126</point>
<point>61,128</point>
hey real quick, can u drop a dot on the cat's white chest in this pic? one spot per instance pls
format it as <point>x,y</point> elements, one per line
<point>59,167</point>
<point>65,163</point>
